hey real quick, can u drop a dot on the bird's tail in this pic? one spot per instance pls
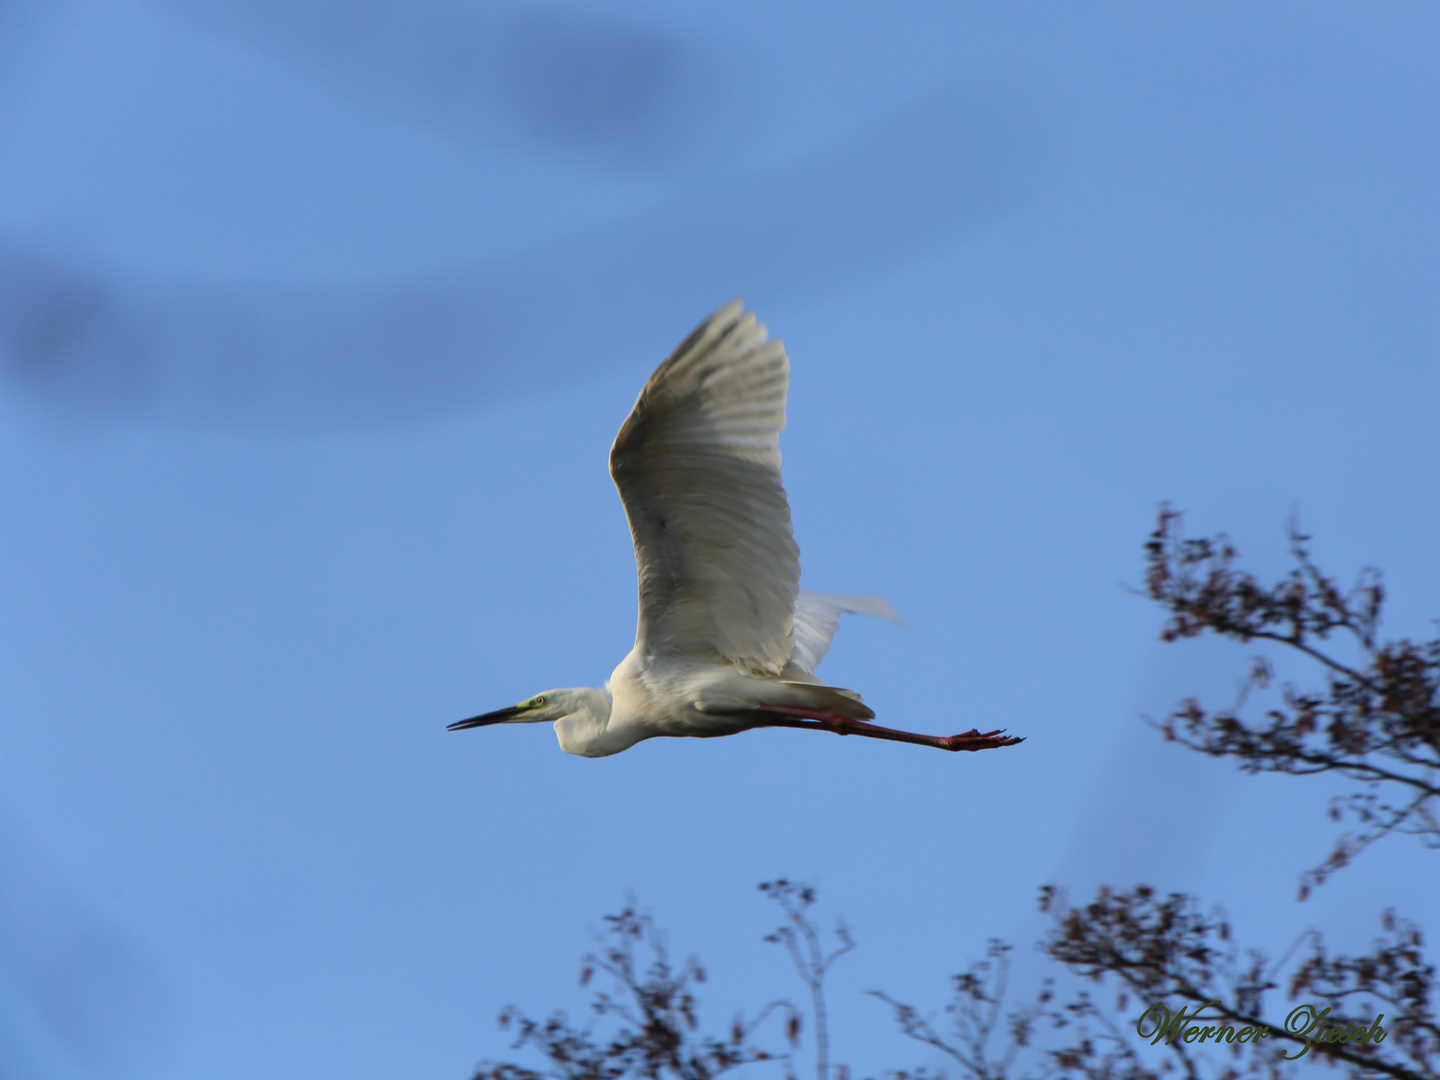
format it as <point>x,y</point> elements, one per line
<point>831,699</point>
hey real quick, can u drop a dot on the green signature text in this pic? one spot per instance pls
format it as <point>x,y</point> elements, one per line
<point>1304,1022</point>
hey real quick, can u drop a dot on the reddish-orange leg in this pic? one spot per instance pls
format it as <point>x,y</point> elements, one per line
<point>783,716</point>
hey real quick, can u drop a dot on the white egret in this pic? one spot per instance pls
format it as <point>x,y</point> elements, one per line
<point>726,640</point>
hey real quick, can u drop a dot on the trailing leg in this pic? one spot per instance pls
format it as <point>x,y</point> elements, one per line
<point>784,716</point>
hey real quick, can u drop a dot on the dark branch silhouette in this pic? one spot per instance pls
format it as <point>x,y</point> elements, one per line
<point>977,1015</point>
<point>1376,721</point>
<point>802,941</point>
<point>651,1016</point>
<point>1168,952</point>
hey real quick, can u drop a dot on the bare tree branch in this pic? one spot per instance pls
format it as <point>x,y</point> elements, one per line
<point>802,941</point>
<point>1168,950</point>
<point>652,1015</point>
<point>1376,721</point>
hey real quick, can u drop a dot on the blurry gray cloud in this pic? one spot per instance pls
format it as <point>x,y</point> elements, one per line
<point>587,85</point>
<point>1155,810</point>
<point>80,335</point>
<point>78,994</point>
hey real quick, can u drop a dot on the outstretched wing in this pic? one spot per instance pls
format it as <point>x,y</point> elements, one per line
<point>817,617</point>
<point>698,467</point>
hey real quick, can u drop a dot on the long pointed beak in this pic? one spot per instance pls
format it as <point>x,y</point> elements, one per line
<point>499,716</point>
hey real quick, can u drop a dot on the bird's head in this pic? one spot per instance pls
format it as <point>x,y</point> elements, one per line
<point>580,715</point>
<point>549,706</point>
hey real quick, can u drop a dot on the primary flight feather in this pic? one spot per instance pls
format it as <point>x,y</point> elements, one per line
<point>726,639</point>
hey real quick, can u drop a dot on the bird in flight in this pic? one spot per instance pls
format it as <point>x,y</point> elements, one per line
<point>727,640</point>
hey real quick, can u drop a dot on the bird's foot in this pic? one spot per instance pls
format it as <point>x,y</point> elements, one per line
<point>784,716</point>
<point>975,740</point>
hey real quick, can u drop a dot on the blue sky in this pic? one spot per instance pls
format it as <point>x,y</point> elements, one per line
<point>317,324</point>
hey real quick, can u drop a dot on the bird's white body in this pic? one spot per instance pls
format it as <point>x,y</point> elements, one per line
<point>684,697</point>
<point>726,640</point>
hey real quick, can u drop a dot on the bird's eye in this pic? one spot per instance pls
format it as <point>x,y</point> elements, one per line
<point>540,700</point>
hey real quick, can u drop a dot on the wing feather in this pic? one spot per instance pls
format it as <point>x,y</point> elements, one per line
<point>697,464</point>
<point>817,617</point>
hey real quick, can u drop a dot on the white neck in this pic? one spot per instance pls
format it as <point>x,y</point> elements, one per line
<point>585,729</point>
